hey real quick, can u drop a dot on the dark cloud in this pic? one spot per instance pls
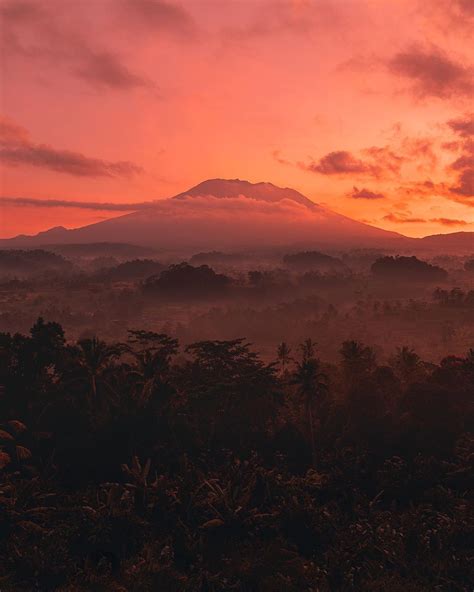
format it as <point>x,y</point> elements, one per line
<point>86,205</point>
<point>450,222</point>
<point>342,162</point>
<point>423,189</point>
<point>465,186</point>
<point>364,194</point>
<point>376,162</point>
<point>451,146</point>
<point>403,219</point>
<point>17,149</point>
<point>463,126</point>
<point>65,161</point>
<point>463,166</point>
<point>464,162</point>
<point>432,72</point>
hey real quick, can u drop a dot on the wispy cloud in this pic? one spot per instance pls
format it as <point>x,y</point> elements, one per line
<point>374,162</point>
<point>364,194</point>
<point>159,16</point>
<point>432,72</point>
<point>85,205</point>
<point>463,166</point>
<point>450,222</point>
<point>397,219</point>
<point>17,149</point>
<point>342,162</point>
<point>32,32</point>
<point>402,219</point>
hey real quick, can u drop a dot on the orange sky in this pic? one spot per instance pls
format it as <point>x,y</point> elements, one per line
<point>365,106</point>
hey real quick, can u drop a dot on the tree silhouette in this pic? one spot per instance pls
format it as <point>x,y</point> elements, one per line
<point>284,356</point>
<point>152,353</point>
<point>308,349</point>
<point>358,361</point>
<point>407,364</point>
<point>93,357</point>
<point>312,385</point>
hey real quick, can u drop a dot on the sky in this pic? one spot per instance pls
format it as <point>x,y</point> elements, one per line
<point>365,106</point>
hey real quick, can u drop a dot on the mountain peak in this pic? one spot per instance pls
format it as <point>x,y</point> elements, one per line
<point>263,191</point>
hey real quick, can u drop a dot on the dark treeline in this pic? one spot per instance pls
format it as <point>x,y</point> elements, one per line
<point>144,465</point>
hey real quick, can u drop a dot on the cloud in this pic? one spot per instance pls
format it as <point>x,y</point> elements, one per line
<point>465,186</point>
<point>463,126</point>
<point>45,38</point>
<point>277,18</point>
<point>376,162</point>
<point>16,149</point>
<point>452,15</point>
<point>21,11</point>
<point>106,70</point>
<point>85,205</point>
<point>159,15</point>
<point>364,194</point>
<point>432,72</point>
<point>421,149</point>
<point>342,162</point>
<point>403,219</point>
<point>450,222</point>
<point>423,189</point>
<point>277,156</point>
<point>11,133</point>
<point>234,222</point>
<point>385,158</point>
<point>463,166</point>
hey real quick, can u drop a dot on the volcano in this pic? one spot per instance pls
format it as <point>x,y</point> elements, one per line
<point>228,214</point>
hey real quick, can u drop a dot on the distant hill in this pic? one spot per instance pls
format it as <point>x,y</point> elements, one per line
<point>452,242</point>
<point>223,214</point>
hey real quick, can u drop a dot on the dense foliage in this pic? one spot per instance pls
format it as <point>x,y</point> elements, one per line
<point>144,466</point>
<point>408,268</point>
<point>20,262</point>
<point>315,259</point>
<point>186,281</point>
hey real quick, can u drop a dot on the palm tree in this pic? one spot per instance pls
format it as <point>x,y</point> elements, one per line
<point>312,384</point>
<point>283,355</point>
<point>407,363</point>
<point>153,353</point>
<point>147,373</point>
<point>308,348</point>
<point>93,358</point>
<point>358,360</point>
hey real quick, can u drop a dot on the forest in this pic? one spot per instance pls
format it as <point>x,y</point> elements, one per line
<point>383,298</point>
<point>148,464</point>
